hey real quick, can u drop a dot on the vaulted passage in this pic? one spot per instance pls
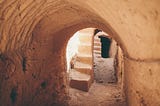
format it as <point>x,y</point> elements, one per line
<point>33,39</point>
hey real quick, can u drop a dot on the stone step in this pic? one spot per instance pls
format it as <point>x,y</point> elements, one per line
<point>97,39</point>
<point>79,80</point>
<point>85,44</point>
<point>97,55</point>
<point>83,68</point>
<point>97,44</point>
<point>98,48</point>
<point>84,58</point>
<point>85,49</point>
<point>85,38</point>
<point>97,51</point>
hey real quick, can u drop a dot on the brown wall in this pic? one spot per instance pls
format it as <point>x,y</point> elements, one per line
<point>142,82</point>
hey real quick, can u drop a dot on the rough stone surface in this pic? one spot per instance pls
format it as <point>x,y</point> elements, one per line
<point>104,70</point>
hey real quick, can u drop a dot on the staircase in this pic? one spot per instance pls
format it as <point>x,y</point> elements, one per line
<point>81,74</point>
<point>97,47</point>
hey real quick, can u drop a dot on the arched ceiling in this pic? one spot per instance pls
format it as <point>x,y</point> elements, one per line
<point>134,24</point>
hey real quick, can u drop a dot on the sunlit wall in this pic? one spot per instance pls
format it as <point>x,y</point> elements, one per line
<point>72,48</point>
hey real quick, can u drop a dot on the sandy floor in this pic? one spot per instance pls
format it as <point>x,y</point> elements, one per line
<point>98,95</point>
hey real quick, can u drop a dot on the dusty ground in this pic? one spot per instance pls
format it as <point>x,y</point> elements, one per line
<point>98,95</point>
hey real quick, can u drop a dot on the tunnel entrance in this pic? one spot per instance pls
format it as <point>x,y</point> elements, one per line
<point>92,66</point>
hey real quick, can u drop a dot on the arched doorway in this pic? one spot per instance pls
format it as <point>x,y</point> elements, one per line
<point>80,79</point>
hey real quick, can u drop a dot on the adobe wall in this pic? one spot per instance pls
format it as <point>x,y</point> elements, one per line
<point>142,82</point>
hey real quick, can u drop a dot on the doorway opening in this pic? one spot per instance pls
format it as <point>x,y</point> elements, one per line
<point>96,67</point>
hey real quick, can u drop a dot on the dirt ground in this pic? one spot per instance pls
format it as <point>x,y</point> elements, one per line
<point>98,95</point>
